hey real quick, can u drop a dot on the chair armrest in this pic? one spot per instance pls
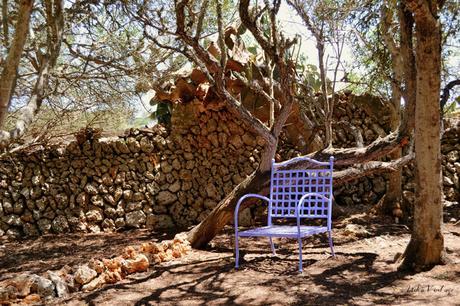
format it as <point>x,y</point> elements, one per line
<point>301,201</point>
<point>250,195</point>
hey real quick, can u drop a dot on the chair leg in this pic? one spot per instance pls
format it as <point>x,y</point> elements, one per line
<point>272,246</point>
<point>330,243</point>
<point>237,252</point>
<point>300,254</point>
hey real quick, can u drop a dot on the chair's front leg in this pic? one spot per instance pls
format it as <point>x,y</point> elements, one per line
<point>272,246</point>
<point>330,243</point>
<point>237,250</point>
<point>300,253</point>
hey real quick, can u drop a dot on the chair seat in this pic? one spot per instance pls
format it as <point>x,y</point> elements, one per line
<point>288,231</point>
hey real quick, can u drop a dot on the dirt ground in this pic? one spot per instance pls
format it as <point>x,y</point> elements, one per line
<point>363,272</point>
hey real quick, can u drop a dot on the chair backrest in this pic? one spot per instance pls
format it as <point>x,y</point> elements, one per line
<point>288,186</point>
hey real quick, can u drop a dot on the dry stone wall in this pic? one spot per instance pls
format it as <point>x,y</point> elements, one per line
<point>160,178</point>
<point>145,178</point>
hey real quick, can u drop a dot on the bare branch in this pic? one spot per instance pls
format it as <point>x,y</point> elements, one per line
<point>368,168</point>
<point>446,92</point>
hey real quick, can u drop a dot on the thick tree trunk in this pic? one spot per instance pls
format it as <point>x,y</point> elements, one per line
<point>10,70</point>
<point>426,245</point>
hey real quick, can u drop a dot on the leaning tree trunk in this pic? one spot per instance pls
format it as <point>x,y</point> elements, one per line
<point>222,215</point>
<point>426,245</point>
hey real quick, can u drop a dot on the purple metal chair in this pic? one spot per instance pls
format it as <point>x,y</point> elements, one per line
<point>294,193</point>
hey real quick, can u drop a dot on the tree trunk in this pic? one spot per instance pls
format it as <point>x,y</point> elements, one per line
<point>10,70</point>
<point>394,191</point>
<point>426,245</point>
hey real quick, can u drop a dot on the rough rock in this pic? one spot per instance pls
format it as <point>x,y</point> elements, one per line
<point>135,219</point>
<point>60,224</point>
<point>84,275</point>
<point>138,264</point>
<point>166,198</point>
<point>94,284</point>
<point>61,286</point>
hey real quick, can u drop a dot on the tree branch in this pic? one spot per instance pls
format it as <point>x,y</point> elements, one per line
<point>446,92</point>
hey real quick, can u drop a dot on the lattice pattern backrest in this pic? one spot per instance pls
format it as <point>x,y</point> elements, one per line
<point>288,186</point>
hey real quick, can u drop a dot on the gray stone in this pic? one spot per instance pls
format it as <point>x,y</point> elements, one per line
<point>93,228</point>
<point>44,225</point>
<point>120,222</point>
<point>82,199</point>
<point>210,203</point>
<point>409,196</point>
<point>127,194</point>
<point>38,180</point>
<point>94,215</point>
<point>453,156</point>
<point>145,145</point>
<point>447,181</point>
<point>175,187</point>
<point>8,207</point>
<point>30,230</point>
<point>457,167</point>
<point>166,198</point>
<point>97,200</point>
<point>132,206</point>
<point>165,167</point>
<point>138,196</point>
<point>176,164</point>
<point>135,219</point>
<point>110,212</point>
<point>14,233</point>
<point>245,217</point>
<point>211,191</point>
<point>109,199</point>
<point>12,220</point>
<point>379,184</point>
<point>91,189</point>
<point>62,289</point>
<point>236,141</point>
<point>60,224</point>
<point>121,147</point>
<point>84,275</point>
<point>133,145</point>
<point>117,194</point>
<point>108,225</point>
<point>249,140</point>
<point>153,188</point>
<point>159,221</point>
<point>42,286</point>
<point>107,180</point>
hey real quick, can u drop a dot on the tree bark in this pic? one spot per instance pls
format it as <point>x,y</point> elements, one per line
<point>426,245</point>
<point>55,22</point>
<point>394,190</point>
<point>10,70</point>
